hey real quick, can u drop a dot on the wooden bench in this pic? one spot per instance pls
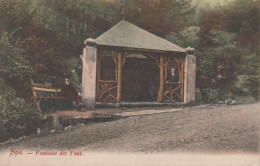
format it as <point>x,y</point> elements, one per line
<point>45,88</point>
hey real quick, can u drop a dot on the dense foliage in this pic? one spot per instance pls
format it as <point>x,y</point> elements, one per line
<point>43,39</point>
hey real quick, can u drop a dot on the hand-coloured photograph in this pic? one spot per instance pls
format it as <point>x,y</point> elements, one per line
<point>129,83</point>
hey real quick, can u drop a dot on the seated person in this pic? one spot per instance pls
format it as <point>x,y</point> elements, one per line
<point>68,90</point>
<point>172,77</point>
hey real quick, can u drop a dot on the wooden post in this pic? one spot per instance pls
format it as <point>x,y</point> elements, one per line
<point>98,73</point>
<point>182,78</point>
<point>160,93</point>
<point>38,109</point>
<point>119,75</point>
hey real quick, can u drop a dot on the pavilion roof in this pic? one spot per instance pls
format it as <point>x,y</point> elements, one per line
<point>127,35</point>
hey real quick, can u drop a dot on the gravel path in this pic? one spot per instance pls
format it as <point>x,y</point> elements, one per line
<point>197,129</point>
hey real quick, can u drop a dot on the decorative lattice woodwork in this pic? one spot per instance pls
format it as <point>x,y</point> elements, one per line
<point>173,91</point>
<point>107,90</point>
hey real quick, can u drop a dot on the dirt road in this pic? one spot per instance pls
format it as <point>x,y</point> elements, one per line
<point>197,129</point>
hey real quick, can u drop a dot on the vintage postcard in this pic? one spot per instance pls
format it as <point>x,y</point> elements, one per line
<point>129,82</point>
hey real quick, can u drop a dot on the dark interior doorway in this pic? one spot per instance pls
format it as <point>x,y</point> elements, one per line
<point>140,80</point>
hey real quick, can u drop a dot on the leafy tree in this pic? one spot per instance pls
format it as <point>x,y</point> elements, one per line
<point>248,75</point>
<point>14,69</point>
<point>188,37</point>
<point>159,16</point>
<point>16,117</point>
<point>243,18</point>
<point>41,55</point>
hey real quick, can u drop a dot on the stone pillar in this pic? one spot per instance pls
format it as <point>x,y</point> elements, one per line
<point>89,61</point>
<point>189,76</point>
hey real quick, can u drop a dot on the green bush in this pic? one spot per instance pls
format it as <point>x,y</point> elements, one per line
<point>248,75</point>
<point>209,95</point>
<point>17,117</point>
